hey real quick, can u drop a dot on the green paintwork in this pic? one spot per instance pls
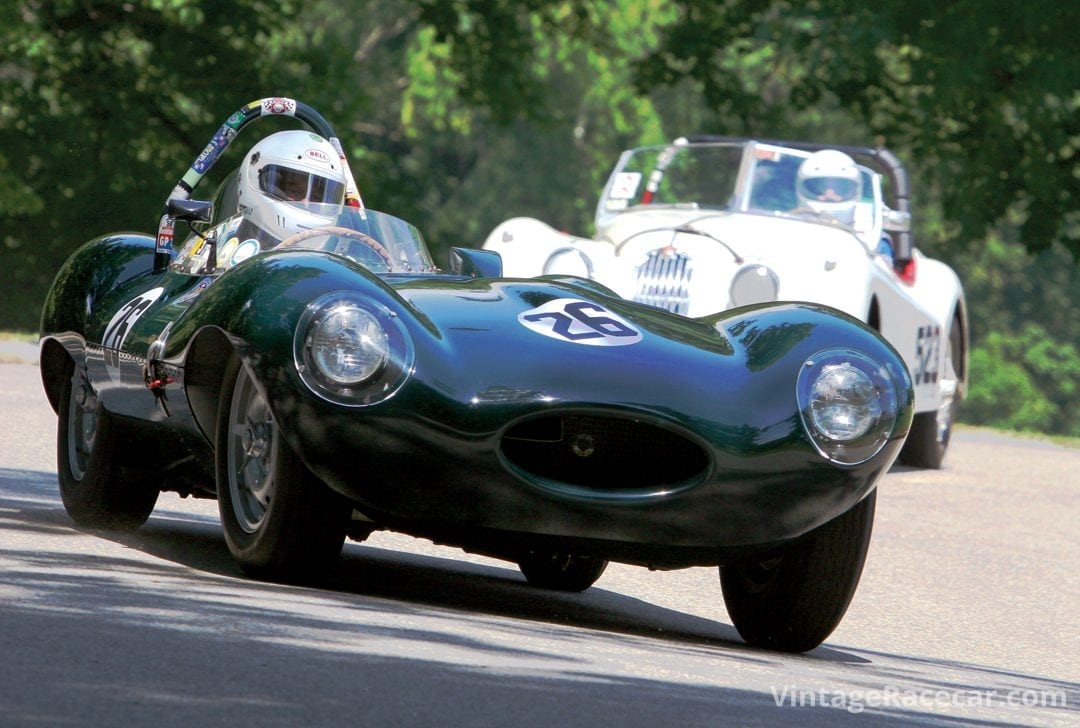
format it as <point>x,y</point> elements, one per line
<point>427,459</point>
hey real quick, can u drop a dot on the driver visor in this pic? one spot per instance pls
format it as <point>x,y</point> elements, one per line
<point>831,189</point>
<point>291,185</point>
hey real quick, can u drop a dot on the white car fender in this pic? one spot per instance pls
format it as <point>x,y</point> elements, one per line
<point>525,244</point>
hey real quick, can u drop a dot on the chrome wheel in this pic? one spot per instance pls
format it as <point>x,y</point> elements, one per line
<point>948,384</point>
<point>252,453</point>
<point>82,423</point>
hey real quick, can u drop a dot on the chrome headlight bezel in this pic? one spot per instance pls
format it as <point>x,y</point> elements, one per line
<point>551,265</point>
<point>380,368</point>
<point>848,404</point>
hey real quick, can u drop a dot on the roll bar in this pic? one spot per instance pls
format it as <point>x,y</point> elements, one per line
<point>270,106</point>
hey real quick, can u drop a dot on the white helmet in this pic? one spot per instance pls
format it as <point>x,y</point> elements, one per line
<point>286,182</point>
<point>830,184</point>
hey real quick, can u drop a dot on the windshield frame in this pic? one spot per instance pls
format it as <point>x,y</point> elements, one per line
<point>646,170</point>
<point>231,239</point>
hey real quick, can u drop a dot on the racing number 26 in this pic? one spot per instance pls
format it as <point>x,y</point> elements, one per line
<point>580,321</point>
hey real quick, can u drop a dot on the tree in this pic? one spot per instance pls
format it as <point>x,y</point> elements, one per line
<point>102,106</point>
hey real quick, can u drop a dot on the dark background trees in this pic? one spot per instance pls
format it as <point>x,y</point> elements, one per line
<point>459,114</point>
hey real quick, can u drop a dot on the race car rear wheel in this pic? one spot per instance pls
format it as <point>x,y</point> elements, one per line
<point>562,572</point>
<point>793,598</point>
<point>97,488</point>
<point>928,439</point>
<point>281,523</point>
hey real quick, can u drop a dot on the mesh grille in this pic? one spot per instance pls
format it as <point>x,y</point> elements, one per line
<point>603,453</point>
<point>663,281</point>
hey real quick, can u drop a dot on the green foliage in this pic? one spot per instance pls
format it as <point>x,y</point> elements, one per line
<point>102,106</point>
<point>1025,382</point>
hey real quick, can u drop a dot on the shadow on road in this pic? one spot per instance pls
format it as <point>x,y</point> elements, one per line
<point>182,639</point>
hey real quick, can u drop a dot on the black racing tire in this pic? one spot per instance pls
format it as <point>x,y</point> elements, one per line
<point>99,490</point>
<point>928,440</point>
<point>281,522</point>
<point>561,572</point>
<point>792,599</point>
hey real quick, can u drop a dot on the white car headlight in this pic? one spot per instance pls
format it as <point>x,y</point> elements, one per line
<point>346,344</point>
<point>351,350</point>
<point>754,284</point>
<point>848,405</point>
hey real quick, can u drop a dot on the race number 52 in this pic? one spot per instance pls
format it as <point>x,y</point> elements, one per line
<point>580,322</point>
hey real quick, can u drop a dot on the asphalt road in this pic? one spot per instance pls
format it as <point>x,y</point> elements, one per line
<point>968,614</point>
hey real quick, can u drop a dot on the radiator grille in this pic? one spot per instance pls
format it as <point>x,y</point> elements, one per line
<point>663,280</point>
<point>604,453</point>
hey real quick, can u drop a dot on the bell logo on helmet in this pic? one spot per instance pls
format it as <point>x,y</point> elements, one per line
<point>318,155</point>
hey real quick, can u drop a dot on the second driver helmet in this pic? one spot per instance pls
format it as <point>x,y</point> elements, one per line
<point>829,183</point>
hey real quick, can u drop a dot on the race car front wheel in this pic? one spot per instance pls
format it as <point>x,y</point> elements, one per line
<point>793,598</point>
<point>98,489</point>
<point>281,522</point>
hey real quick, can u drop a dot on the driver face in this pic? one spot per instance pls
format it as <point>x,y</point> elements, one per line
<point>830,189</point>
<point>294,186</point>
<point>291,185</point>
<point>283,183</point>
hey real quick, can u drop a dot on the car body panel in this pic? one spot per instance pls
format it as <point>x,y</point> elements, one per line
<point>428,458</point>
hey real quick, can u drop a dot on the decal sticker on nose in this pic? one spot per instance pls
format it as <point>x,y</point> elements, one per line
<point>580,322</point>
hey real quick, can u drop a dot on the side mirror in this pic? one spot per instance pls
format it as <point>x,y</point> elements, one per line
<point>475,263</point>
<point>190,210</point>
<point>895,221</point>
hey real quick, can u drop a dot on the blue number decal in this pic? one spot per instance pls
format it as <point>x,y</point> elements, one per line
<point>580,322</point>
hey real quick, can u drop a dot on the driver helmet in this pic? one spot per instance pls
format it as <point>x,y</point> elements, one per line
<point>286,181</point>
<point>829,183</point>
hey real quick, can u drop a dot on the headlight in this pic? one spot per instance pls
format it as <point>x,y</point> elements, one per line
<point>350,350</point>
<point>347,344</point>
<point>848,405</point>
<point>569,262</point>
<point>754,284</point>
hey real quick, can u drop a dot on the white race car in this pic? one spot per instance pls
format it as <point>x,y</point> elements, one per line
<point>708,223</point>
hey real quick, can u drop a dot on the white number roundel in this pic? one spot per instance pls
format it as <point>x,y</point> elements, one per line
<point>580,322</point>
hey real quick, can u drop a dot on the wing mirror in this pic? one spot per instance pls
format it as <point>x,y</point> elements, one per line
<point>190,210</point>
<point>475,263</point>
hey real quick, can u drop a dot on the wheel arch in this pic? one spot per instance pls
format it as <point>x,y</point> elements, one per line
<point>960,359</point>
<point>206,363</point>
<point>53,361</point>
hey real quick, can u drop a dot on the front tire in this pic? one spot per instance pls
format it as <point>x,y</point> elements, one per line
<point>792,599</point>
<point>281,522</point>
<point>561,572</point>
<point>97,488</point>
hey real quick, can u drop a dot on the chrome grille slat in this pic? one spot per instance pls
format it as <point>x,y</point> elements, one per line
<point>663,280</point>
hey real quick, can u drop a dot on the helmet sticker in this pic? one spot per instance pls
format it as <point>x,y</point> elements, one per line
<point>580,322</point>
<point>278,106</point>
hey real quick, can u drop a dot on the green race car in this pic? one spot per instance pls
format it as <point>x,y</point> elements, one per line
<point>300,359</point>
